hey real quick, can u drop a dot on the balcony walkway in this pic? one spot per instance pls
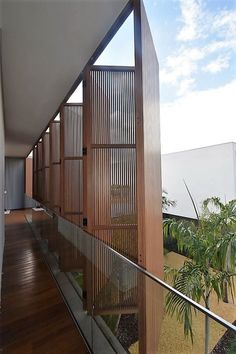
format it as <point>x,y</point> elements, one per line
<point>34,318</point>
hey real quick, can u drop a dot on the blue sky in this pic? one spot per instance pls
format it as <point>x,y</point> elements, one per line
<point>195,42</point>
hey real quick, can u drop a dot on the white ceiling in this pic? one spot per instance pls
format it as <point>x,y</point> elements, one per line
<point>45,46</point>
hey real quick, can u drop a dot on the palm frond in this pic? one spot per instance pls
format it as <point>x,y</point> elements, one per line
<point>169,272</point>
<point>225,252</point>
<point>182,231</point>
<point>192,200</point>
<point>187,280</point>
<point>218,282</point>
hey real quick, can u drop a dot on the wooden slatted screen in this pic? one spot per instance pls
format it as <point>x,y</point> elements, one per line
<point>40,172</point>
<point>46,168</point>
<point>35,173</point>
<point>110,173</point>
<point>110,183</point>
<point>72,162</point>
<point>104,157</point>
<point>55,167</point>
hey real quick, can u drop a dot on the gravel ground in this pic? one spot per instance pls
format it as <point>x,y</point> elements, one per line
<point>172,339</point>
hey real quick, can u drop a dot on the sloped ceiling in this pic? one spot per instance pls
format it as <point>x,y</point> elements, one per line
<point>45,45</point>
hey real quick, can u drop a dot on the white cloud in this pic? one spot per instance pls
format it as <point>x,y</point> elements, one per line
<point>225,24</point>
<point>200,118</point>
<point>220,45</point>
<point>216,34</point>
<point>217,65</point>
<point>185,86</point>
<point>191,12</point>
<point>180,66</point>
<point>199,22</point>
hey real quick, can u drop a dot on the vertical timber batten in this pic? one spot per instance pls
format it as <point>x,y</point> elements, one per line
<point>109,178</point>
<point>39,172</point>
<point>46,167</point>
<point>149,194</point>
<point>55,166</point>
<point>110,173</point>
<point>72,162</point>
<point>87,181</point>
<point>62,149</point>
<point>35,174</point>
<point>87,172</point>
<point>148,145</point>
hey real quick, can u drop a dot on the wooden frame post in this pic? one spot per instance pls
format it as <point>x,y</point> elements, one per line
<point>149,193</point>
<point>62,149</point>
<point>55,160</point>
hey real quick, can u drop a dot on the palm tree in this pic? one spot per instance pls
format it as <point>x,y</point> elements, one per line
<point>232,349</point>
<point>209,243</point>
<point>223,218</point>
<point>166,202</point>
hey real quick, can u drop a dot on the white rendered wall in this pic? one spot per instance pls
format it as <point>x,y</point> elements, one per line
<point>208,172</point>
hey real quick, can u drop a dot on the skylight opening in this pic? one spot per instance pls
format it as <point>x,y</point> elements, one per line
<point>57,118</point>
<point>120,50</point>
<point>77,95</point>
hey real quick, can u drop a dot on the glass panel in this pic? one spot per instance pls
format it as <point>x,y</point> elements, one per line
<point>40,185</point>
<point>118,307</point>
<point>66,255</point>
<point>46,185</point>
<point>55,187</point>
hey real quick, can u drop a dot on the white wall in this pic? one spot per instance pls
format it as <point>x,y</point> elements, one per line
<point>14,183</point>
<point>208,172</point>
<point>2,158</point>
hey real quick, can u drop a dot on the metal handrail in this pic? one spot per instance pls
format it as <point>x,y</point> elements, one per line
<point>173,290</point>
<point>196,305</point>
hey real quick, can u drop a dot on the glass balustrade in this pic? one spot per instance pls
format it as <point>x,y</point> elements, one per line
<point>119,307</point>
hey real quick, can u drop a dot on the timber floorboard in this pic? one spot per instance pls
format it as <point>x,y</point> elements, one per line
<point>34,318</point>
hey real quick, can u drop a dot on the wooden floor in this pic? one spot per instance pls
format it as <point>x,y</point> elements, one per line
<point>34,318</point>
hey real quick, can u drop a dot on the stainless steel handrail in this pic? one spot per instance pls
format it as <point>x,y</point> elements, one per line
<point>196,305</point>
<point>173,290</point>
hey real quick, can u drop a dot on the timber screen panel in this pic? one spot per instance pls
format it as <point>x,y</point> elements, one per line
<point>40,172</point>
<point>55,166</point>
<point>35,173</point>
<point>113,157</point>
<point>72,162</point>
<point>46,168</point>
<point>119,132</point>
